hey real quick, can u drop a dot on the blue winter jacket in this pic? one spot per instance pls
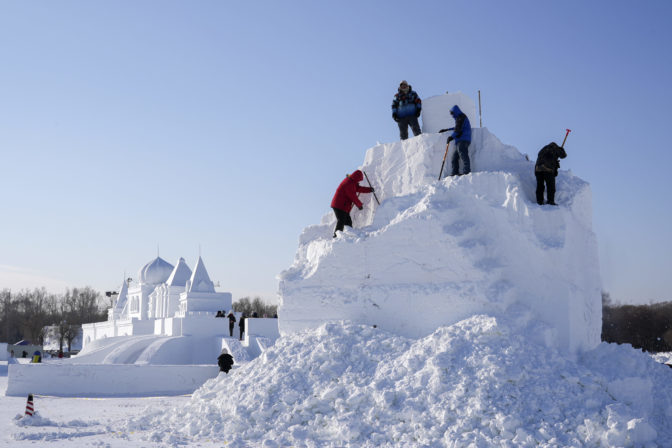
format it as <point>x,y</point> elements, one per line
<point>406,104</point>
<point>462,129</point>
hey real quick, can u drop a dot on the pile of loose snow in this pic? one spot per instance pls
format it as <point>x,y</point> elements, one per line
<point>480,381</point>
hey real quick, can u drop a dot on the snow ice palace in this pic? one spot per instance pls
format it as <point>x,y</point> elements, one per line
<point>165,300</point>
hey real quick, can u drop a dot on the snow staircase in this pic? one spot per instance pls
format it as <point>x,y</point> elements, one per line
<point>236,348</point>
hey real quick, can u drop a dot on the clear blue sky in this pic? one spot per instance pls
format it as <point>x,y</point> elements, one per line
<point>227,125</point>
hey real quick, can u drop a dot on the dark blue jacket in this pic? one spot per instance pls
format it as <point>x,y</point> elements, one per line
<point>462,129</point>
<point>406,104</point>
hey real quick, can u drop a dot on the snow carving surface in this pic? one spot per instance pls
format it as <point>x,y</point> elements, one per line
<point>436,252</point>
<point>479,382</point>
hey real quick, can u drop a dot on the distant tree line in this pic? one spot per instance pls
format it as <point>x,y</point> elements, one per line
<point>249,307</point>
<point>27,313</point>
<point>647,327</point>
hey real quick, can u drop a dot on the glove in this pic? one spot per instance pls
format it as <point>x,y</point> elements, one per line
<point>417,114</point>
<point>372,190</point>
<point>450,139</point>
<point>360,207</point>
<point>394,117</point>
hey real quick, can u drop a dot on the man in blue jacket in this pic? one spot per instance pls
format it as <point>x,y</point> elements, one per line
<point>406,108</point>
<point>462,136</point>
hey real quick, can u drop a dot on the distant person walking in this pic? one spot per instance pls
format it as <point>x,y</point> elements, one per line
<point>232,322</point>
<point>462,136</point>
<point>241,326</point>
<point>406,109</point>
<point>345,196</point>
<point>546,170</point>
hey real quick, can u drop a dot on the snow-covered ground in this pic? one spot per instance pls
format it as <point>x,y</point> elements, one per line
<point>72,421</point>
<point>479,382</point>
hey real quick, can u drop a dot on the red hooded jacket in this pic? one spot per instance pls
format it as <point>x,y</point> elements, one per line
<point>346,193</point>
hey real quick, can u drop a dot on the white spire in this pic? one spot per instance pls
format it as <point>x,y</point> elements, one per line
<point>122,297</point>
<point>200,280</point>
<point>180,274</point>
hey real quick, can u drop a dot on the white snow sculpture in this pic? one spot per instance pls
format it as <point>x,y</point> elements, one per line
<point>436,252</point>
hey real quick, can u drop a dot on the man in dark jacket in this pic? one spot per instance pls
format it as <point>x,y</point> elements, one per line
<point>345,196</point>
<point>225,362</point>
<point>232,322</point>
<point>406,108</point>
<point>462,136</point>
<point>546,169</point>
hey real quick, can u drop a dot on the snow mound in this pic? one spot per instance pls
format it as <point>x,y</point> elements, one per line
<point>436,252</point>
<point>479,382</point>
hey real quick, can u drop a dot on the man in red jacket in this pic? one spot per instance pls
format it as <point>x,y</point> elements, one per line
<point>346,195</point>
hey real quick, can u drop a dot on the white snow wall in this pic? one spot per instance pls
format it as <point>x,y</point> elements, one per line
<point>436,252</point>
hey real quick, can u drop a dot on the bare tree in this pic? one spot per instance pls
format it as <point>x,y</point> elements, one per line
<point>9,317</point>
<point>35,306</point>
<point>257,305</point>
<point>83,305</point>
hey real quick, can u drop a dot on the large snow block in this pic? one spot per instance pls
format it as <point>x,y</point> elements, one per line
<point>436,252</point>
<point>77,380</point>
<point>436,111</point>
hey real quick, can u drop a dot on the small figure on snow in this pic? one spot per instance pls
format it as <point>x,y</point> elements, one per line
<point>406,109</point>
<point>345,196</point>
<point>225,362</point>
<point>220,313</point>
<point>462,136</point>
<point>232,322</point>
<point>241,326</point>
<point>546,169</point>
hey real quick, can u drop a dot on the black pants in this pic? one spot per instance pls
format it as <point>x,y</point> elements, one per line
<point>231,324</point>
<point>342,219</point>
<point>405,122</point>
<point>461,152</point>
<point>549,180</point>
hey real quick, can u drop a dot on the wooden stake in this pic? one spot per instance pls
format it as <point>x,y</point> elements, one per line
<point>480,120</point>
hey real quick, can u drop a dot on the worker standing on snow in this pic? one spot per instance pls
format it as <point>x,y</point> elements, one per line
<point>232,322</point>
<point>345,196</point>
<point>546,169</point>
<point>406,109</point>
<point>462,136</point>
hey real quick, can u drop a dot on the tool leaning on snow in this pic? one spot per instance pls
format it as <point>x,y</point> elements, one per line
<point>444,155</point>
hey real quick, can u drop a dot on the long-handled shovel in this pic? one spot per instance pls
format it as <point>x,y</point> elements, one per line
<point>444,159</point>
<point>374,193</point>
